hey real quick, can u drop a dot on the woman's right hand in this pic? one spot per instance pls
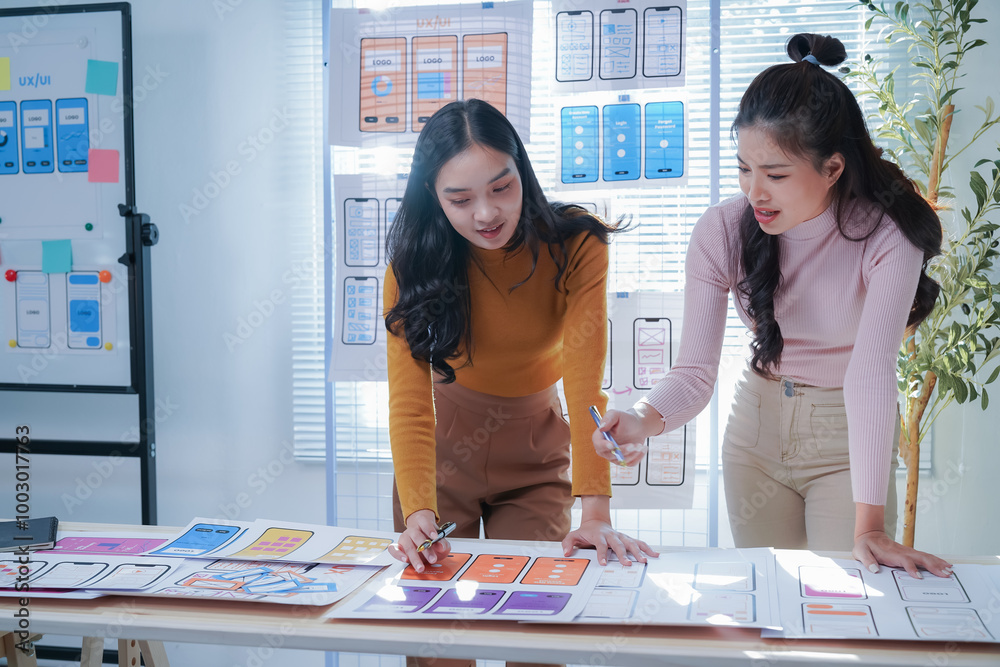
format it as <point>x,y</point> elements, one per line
<point>420,526</point>
<point>630,430</point>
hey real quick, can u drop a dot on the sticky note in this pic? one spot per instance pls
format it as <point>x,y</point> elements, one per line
<point>4,73</point>
<point>57,256</point>
<point>102,77</point>
<point>102,165</point>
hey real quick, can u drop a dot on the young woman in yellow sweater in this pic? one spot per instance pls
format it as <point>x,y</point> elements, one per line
<point>492,295</point>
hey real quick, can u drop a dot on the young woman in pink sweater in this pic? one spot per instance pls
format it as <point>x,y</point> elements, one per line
<point>825,255</point>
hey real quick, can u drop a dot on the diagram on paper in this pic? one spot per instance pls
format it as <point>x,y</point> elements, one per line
<point>603,46</point>
<point>393,75</point>
<point>832,598</point>
<point>725,587</point>
<point>477,581</point>
<point>275,541</point>
<point>266,581</point>
<point>648,325</point>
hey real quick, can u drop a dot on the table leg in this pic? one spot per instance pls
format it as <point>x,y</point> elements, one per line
<point>154,654</point>
<point>128,653</point>
<point>92,652</point>
<point>15,656</point>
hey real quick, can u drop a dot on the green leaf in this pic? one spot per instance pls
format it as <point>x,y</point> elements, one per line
<point>947,96</point>
<point>993,376</point>
<point>978,186</point>
<point>985,400</point>
<point>977,282</point>
<point>961,391</point>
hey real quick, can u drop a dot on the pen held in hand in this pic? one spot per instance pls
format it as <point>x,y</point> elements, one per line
<point>443,532</point>
<point>607,436</point>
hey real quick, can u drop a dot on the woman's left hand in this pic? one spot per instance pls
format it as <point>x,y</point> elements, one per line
<point>874,547</point>
<point>602,536</point>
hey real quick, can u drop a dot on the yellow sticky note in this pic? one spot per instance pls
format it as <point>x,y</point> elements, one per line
<point>4,73</point>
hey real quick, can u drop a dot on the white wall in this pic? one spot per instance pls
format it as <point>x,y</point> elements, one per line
<point>958,510</point>
<point>228,441</point>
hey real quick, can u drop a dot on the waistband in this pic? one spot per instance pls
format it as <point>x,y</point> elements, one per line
<point>477,401</point>
<point>762,384</point>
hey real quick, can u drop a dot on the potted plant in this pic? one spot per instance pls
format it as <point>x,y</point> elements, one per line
<point>946,358</point>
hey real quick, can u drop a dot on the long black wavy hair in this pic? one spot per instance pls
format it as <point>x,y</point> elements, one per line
<point>807,111</point>
<point>430,260</point>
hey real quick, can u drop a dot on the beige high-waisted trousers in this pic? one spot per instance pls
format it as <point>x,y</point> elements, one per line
<point>786,469</point>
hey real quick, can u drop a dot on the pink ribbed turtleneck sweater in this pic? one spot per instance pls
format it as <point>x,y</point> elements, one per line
<point>842,307</point>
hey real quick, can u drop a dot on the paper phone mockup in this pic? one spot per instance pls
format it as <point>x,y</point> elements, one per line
<point>495,568</point>
<point>68,575</point>
<point>37,150</point>
<point>662,41</point>
<point>361,231</point>
<point>621,142</point>
<point>200,539</point>
<point>72,134</point>
<point>580,144</point>
<point>383,84</point>
<point>664,155</point>
<point>484,74</point>
<point>8,138</point>
<point>651,338</point>
<point>360,310</point>
<point>33,309</point>
<point>83,297</point>
<point>574,46</point>
<point>275,543</point>
<point>619,41</point>
<point>435,76</point>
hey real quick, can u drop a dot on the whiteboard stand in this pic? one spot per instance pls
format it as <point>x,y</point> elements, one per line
<point>67,39</point>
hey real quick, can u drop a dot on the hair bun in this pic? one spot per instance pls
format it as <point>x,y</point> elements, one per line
<point>829,51</point>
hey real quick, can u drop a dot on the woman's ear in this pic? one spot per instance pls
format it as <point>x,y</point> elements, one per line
<point>834,167</point>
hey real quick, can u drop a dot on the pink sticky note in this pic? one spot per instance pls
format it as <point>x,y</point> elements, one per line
<point>103,166</point>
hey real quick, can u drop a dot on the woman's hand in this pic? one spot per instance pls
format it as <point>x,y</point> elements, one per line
<point>630,430</point>
<point>601,535</point>
<point>874,547</point>
<point>420,526</point>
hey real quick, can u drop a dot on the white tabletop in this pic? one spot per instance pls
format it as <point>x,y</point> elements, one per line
<point>204,621</point>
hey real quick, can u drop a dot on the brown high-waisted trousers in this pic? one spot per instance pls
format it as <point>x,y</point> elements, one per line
<point>501,461</point>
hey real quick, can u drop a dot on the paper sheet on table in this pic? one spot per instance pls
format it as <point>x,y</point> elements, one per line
<point>823,597</point>
<point>280,541</point>
<point>258,581</point>
<point>727,587</point>
<point>483,581</point>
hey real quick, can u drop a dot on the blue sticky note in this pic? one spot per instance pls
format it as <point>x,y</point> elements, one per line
<point>57,256</point>
<point>102,77</point>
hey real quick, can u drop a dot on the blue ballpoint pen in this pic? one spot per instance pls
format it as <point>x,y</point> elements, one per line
<point>607,436</point>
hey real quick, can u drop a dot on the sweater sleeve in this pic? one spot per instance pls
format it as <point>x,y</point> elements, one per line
<point>892,270</point>
<point>585,337</point>
<point>411,418</point>
<point>686,389</point>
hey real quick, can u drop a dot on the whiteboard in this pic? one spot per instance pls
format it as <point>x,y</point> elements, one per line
<point>65,166</point>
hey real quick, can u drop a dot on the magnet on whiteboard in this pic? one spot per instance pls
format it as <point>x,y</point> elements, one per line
<point>108,346</point>
<point>12,343</point>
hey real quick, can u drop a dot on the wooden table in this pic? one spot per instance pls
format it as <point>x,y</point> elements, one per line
<point>145,621</point>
